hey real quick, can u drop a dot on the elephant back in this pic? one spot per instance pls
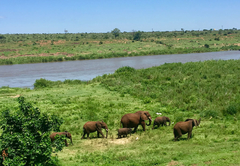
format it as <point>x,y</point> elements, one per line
<point>130,120</point>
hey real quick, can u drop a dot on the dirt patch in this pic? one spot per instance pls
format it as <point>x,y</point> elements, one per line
<point>15,96</point>
<point>147,46</point>
<point>120,141</point>
<point>173,163</point>
<point>39,55</point>
<point>7,50</point>
<point>48,42</point>
<point>3,57</point>
<point>208,162</point>
<point>237,44</point>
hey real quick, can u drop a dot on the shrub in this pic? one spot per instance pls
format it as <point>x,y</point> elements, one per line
<point>232,109</point>
<point>125,69</point>
<point>159,42</point>
<point>206,45</point>
<point>25,136</point>
<point>209,113</point>
<point>42,83</point>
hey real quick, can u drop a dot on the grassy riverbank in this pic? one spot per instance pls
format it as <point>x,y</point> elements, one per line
<point>37,48</point>
<point>208,89</point>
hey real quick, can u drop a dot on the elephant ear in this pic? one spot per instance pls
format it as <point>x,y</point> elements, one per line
<point>144,116</point>
<point>194,123</point>
<point>68,135</point>
<point>98,125</point>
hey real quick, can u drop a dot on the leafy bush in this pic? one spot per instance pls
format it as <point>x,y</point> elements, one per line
<point>125,69</point>
<point>232,109</point>
<point>159,42</point>
<point>209,113</point>
<point>42,83</point>
<point>206,45</point>
<point>25,136</point>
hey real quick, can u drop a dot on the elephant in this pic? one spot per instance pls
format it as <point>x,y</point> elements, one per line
<point>132,120</point>
<point>124,132</point>
<point>66,133</point>
<point>93,126</point>
<point>185,127</point>
<point>161,121</point>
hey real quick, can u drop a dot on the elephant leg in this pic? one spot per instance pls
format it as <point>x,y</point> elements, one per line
<point>100,131</point>
<point>66,142</point>
<point>189,134</point>
<point>97,134</point>
<point>158,125</point>
<point>153,126</point>
<point>83,135</point>
<point>135,129</point>
<point>88,136</point>
<point>177,134</point>
<point>143,125</point>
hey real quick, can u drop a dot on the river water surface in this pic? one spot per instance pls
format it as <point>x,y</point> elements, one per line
<point>24,75</point>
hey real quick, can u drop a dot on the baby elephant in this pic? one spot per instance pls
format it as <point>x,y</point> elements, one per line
<point>67,135</point>
<point>161,121</point>
<point>124,132</point>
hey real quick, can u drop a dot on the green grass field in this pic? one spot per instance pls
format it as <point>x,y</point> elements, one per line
<point>208,89</point>
<point>37,48</point>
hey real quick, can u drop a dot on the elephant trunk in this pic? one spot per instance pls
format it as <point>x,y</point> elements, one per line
<point>169,122</point>
<point>150,121</point>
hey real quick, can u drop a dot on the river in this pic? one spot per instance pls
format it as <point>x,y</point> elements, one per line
<point>24,75</point>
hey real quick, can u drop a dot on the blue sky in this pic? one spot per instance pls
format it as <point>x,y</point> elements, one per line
<point>77,16</point>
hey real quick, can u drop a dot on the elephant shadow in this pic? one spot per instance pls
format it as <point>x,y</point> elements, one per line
<point>182,138</point>
<point>93,137</point>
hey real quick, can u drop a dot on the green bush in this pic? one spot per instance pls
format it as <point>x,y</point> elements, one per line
<point>125,69</point>
<point>209,114</point>
<point>232,110</point>
<point>42,83</point>
<point>25,136</point>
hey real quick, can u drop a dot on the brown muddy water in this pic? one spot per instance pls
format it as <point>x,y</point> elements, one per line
<point>24,75</point>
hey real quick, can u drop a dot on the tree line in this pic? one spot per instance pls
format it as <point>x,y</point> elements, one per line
<point>115,34</point>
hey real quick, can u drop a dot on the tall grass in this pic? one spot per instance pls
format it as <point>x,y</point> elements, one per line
<point>208,85</point>
<point>208,89</point>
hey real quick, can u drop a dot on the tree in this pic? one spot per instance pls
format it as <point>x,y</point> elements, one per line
<point>116,32</point>
<point>25,136</point>
<point>137,35</point>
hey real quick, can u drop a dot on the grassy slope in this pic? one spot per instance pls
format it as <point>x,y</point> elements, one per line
<point>46,51</point>
<point>215,142</point>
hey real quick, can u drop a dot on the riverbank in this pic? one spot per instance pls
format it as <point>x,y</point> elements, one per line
<point>38,48</point>
<point>207,90</point>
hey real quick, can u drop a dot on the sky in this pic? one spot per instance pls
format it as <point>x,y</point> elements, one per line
<point>101,16</point>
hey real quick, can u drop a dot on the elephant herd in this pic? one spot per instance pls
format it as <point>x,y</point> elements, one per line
<point>133,120</point>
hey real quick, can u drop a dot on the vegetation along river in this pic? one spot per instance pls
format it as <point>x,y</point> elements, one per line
<point>24,75</point>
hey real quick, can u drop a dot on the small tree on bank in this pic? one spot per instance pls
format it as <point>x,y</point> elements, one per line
<point>25,136</point>
<point>116,32</point>
<point>137,35</point>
